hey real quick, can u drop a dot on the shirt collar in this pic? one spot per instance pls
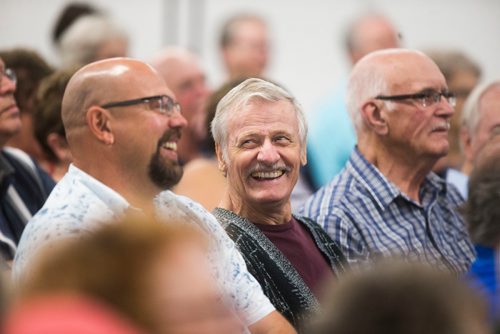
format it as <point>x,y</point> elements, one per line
<point>380,188</point>
<point>116,202</point>
<point>6,168</point>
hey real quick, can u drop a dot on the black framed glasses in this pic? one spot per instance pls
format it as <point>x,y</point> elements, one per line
<point>426,98</point>
<point>10,74</point>
<point>163,103</point>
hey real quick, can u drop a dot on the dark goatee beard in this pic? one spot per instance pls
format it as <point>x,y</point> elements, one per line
<point>165,173</point>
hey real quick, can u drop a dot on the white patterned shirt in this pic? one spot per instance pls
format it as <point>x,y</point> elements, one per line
<point>79,203</point>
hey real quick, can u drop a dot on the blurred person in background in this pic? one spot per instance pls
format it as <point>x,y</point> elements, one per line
<point>394,297</point>
<point>462,74</point>
<point>65,313</point>
<point>328,150</point>
<point>245,46</point>
<point>155,273</point>
<point>482,213</point>
<point>48,126</point>
<point>69,14</point>
<point>30,69</point>
<point>24,186</point>
<point>90,38</point>
<point>184,75</point>
<point>480,122</point>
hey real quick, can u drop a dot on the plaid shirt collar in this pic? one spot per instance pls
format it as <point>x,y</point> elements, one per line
<point>384,191</point>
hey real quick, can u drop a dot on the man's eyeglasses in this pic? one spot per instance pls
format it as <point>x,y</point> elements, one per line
<point>426,99</point>
<point>163,103</point>
<point>10,74</point>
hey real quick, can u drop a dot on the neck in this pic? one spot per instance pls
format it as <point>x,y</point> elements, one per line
<point>138,191</point>
<point>268,214</point>
<point>467,167</point>
<point>398,166</point>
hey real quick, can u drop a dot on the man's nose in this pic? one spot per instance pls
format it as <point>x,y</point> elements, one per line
<point>177,121</point>
<point>268,153</point>
<point>446,108</point>
<point>7,85</point>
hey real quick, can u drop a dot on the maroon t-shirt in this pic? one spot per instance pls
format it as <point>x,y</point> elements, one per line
<point>297,244</point>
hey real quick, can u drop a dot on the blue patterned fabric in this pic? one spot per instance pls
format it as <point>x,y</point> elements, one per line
<point>368,216</point>
<point>484,277</point>
<point>79,203</point>
<point>24,187</point>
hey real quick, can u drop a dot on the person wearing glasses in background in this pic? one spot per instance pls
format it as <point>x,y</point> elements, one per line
<point>123,124</point>
<point>386,201</point>
<point>23,185</point>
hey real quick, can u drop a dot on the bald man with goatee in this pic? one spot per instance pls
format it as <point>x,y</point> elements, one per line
<point>122,124</point>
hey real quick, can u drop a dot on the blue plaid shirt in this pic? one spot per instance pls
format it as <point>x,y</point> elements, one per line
<point>369,217</point>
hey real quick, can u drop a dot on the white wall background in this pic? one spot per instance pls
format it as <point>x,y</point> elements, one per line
<point>308,56</point>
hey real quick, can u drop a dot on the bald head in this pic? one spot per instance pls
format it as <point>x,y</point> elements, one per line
<point>370,33</point>
<point>384,70</point>
<point>174,63</point>
<point>105,81</point>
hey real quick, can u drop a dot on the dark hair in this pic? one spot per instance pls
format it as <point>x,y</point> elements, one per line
<point>68,15</point>
<point>396,298</point>
<point>450,62</point>
<point>30,69</point>
<point>482,209</point>
<point>47,116</point>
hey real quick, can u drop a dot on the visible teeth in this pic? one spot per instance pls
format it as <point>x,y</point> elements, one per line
<point>442,126</point>
<point>268,175</point>
<point>170,146</point>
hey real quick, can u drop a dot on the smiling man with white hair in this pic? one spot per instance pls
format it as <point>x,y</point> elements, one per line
<point>387,201</point>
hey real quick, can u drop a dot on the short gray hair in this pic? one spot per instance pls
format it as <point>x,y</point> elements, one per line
<point>242,95</point>
<point>470,112</point>
<point>81,41</point>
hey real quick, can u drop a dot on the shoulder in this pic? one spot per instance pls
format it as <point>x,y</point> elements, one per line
<point>172,205</point>
<point>330,197</point>
<point>27,168</point>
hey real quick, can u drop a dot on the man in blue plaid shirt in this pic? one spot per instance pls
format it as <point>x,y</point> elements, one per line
<point>386,201</point>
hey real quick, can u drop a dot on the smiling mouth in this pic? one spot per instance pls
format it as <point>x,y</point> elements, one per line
<point>441,127</point>
<point>268,175</point>
<point>172,146</point>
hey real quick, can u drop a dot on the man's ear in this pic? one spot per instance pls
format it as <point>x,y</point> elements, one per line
<point>375,117</point>
<point>99,123</point>
<point>466,143</point>
<point>303,155</point>
<point>220,159</point>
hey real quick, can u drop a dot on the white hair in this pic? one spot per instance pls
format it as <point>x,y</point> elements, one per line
<point>470,112</point>
<point>242,95</point>
<point>81,41</point>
